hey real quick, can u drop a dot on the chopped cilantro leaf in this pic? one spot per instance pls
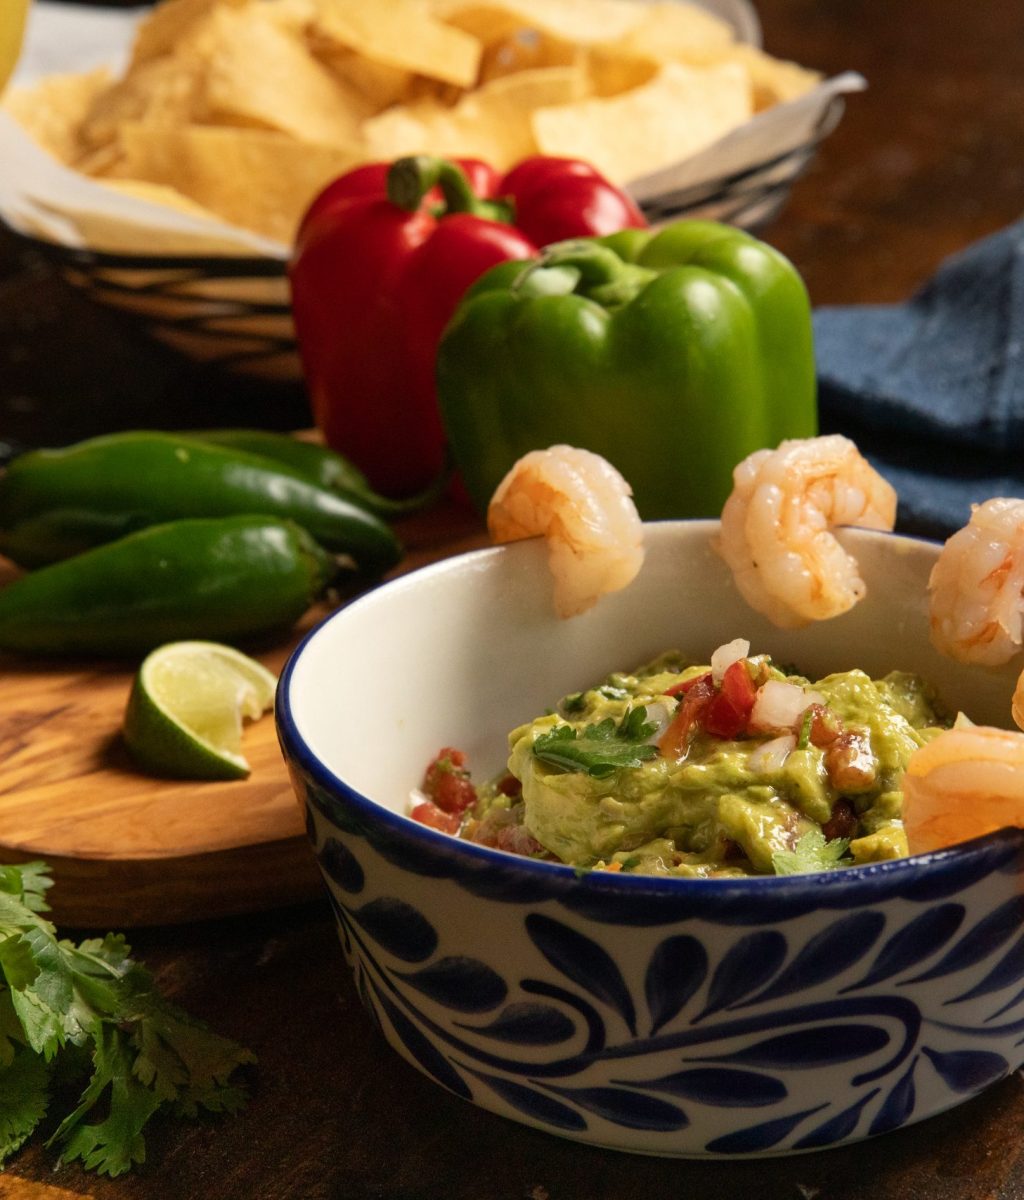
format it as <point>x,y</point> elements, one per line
<point>599,749</point>
<point>634,726</point>
<point>811,853</point>
<point>574,703</point>
<point>87,1015</point>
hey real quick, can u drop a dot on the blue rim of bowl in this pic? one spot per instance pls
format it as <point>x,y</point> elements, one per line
<point>891,870</point>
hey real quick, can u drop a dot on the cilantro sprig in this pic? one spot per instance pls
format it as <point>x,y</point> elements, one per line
<point>89,1017</point>
<point>601,748</point>
<point>811,853</point>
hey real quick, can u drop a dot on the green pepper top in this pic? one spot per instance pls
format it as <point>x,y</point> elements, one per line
<point>673,354</point>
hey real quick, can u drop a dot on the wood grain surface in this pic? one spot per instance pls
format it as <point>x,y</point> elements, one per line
<point>925,161</point>
<point>126,848</point>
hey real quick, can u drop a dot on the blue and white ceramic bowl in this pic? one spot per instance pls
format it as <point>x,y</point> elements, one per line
<point>667,1016</point>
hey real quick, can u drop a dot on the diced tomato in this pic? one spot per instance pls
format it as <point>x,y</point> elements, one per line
<point>825,725</point>
<point>727,714</point>
<point>455,793</point>
<point>508,785</point>
<point>516,840</point>
<point>696,696</point>
<point>680,689</point>
<point>427,813</point>
<point>447,782</point>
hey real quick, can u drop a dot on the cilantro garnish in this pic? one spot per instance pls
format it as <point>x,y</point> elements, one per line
<point>88,1016</point>
<point>811,853</point>
<point>599,749</point>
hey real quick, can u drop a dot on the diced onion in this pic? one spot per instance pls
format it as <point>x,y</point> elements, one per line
<point>771,756</point>
<point>963,721</point>
<point>659,716</point>
<point>726,655</point>
<point>780,705</point>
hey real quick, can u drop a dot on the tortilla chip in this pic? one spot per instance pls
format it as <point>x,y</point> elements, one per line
<point>101,162</point>
<point>774,80</point>
<point>52,109</point>
<point>161,91</point>
<point>259,180</point>
<point>376,85</point>
<point>612,73</point>
<point>157,193</point>
<point>492,123</point>
<point>296,15</point>
<point>670,31</point>
<point>165,26</point>
<point>582,22</point>
<point>528,50</point>
<point>403,34</point>
<point>262,75</point>
<point>682,111</point>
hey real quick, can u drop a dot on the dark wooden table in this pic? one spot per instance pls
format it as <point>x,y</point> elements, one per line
<point>930,158</point>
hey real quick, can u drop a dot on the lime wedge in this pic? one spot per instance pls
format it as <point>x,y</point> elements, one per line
<point>186,707</point>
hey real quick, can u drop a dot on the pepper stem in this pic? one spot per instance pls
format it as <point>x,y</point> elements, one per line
<point>411,178</point>
<point>586,267</point>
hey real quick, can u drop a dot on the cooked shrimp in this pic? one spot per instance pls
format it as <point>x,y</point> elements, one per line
<point>1017,702</point>
<point>965,782</point>
<point>584,508</point>
<point>977,586</point>
<point>777,527</point>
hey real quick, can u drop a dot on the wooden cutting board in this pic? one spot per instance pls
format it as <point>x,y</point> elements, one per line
<point>127,849</point>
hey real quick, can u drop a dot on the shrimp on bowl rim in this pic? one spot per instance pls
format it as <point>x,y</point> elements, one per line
<point>584,509</point>
<point>976,589</point>
<point>776,528</point>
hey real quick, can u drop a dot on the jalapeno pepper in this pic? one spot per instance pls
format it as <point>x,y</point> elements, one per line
<point>214,578</point>
<point>320,464</point>
<point>57,503</point>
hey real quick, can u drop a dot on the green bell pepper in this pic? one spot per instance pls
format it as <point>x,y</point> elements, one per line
<point>673,354</point>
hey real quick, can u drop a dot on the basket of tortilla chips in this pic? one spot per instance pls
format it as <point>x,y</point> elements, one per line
<point>170,185</point>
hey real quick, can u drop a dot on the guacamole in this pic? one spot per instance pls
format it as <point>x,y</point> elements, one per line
<point>739,767</point>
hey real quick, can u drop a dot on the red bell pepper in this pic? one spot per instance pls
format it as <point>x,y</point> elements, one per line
<point>382,258</point>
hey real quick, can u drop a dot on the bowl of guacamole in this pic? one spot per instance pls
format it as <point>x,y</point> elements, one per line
<point>731,768</point>
<point>662,900</point>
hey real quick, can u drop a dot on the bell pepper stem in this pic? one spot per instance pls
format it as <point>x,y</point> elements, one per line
<point>587,268</point>
<point>411,178</point>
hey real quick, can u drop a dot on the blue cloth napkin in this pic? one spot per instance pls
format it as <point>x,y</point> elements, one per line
<point>932,391</point>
